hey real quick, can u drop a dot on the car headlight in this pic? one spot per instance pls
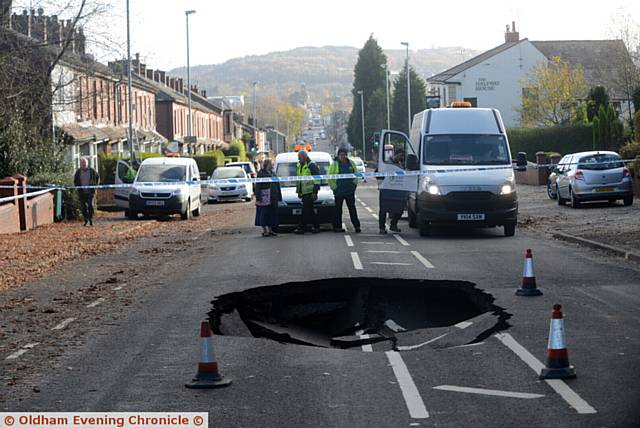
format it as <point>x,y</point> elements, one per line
<point>430,187</point>
<point>179,191</point>
<point>507,189</point>
<point>213,187</point>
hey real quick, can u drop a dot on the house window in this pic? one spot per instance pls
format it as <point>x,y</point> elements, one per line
<point>452,92</point>
<point>473,101</point>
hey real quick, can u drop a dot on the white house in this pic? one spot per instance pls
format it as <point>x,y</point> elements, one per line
<point>494,78</point>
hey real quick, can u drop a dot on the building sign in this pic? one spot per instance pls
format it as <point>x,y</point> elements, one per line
<point>483,84</point>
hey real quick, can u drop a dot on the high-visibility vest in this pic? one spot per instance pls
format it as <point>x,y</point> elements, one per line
<point>335,169</point>
<point>305,187</point>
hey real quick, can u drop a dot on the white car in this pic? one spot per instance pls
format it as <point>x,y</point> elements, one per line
<point>247,166</point>
<point>359,163</point>
<point>227,192</point>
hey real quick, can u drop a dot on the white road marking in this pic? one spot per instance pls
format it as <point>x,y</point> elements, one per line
<point>21,351</point>
<point>357,264</point>
<point>95,303</point>
<point>412,398</point>
<point>118,288</point>
<point>464,324</point>
<point>391,264</point>
<point>368,347</point>
<point>420,345</point>
<point>363,204</point>
<point>573,399</point>
<point>394,325</point>
<point>384,251</point>
<point>63,324</point>
<point>495,392</point>
<point>344,226</point>
<point>422,260</point>
<point>368,209</point>
<point>401,240</point>
<point>349,240</point>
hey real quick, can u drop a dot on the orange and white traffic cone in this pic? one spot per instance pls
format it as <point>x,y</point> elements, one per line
<point>207,376</point>
<point>528,278</point>
<point>557,355</point>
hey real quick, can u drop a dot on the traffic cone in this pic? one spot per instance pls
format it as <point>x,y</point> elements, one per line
<point>528,278</point>
<point>557,355</point>
<point>207,376</point>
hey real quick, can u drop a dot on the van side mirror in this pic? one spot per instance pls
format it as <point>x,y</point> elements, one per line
<point>521,161</point>
<point>412,163</point>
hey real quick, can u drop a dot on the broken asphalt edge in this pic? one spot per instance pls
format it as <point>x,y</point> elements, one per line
<point>627,255</point>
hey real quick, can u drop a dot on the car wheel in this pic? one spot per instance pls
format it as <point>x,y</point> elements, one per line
<point>561,200</point>
<point>132,215</point>
<point>550,192</point>
<point>413,223</point>
<point>575,203</point>
<point>187,213</point>
<point>628,201</point>
<point>196,212</point>
<point>510,228</point>
<point>424,227</point>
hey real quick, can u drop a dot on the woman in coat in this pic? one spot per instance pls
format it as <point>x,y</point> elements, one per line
<point>267,197</point>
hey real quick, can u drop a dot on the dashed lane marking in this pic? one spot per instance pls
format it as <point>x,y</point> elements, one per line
<point>401,239</point>
<point>63,324</point>
<point>384,251</point>
<point>463,324</point>
<point>375,216</point>
<point>95,302</point>
<point>357,264</point>
<point>349,240</point>
<point>375,243</point>
<point>494,392</point>
<point>412,398</point>
<point>22,351</point>
<point>573,399</point>
<point>369,209</point>
<point>368,347</point>
<point>391,264</point>
<point>422,260</point>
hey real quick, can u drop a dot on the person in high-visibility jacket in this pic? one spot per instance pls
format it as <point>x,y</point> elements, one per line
<point>344,190</point>
<point>307,192</point>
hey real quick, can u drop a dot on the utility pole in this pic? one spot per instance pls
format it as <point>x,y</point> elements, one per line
<point>190,123</point>
<point>386,75</point>
<point>408,87</point>
<point>255,122</point>
<point>130,134</point>
<point>364,154</point>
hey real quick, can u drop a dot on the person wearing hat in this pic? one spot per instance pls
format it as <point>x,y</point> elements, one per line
<point>307,192</point>
<point>344,190</point>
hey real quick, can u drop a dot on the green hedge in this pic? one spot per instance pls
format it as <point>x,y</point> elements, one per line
<point>71,208</point>
<point>236,148</point>
<point>209,161</point>
<point>107,165</point>
<point>561,139</point>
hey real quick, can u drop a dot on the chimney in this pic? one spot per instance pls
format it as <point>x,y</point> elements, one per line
<point>38,25</point>
<point>161,77</point>
<point>511,35</point>
<point>5,13</point>
<point>149,74</point>
<point>203,93</point>
<point>180,85</point>
<point>167,80</point>
<point>172,83</point>
<point>156,76</point>
<point>80,42</point>
<point>142,68</point>
<point>53,31</point>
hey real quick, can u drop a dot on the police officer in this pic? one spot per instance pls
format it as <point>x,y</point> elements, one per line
<point>307,192</point>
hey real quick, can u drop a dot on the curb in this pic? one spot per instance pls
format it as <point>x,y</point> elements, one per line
<point>627,255</point>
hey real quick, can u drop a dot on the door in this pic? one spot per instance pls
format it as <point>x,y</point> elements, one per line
<point>124,175</point>
<point>397,154</point>
<point>563,177</point>
<point>195,187</point>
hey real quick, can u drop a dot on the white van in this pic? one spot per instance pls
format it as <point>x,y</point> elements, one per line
<point>160,187</point>
<point>453,139</point>
<point>290,209</point>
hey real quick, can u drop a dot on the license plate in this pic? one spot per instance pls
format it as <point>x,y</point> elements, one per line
<point>156,203</point>
<point>604,189</point>
<point>297,211</point>
<point>470,217</point>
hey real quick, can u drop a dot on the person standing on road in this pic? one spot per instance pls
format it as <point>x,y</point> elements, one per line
<point>86,176</point>
<point>391,202</point>
<point>307,192</point>
<point>267,197</point>
<point>344,190</point>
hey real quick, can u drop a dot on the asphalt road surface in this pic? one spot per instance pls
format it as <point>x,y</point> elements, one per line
<point>142,362</point>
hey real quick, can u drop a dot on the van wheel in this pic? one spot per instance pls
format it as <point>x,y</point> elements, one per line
<point>196,212</point>
<point>412,219</point>
<point>132,215</point>
<point>561,200</point>
<point>510,228</point>
<point>575,203</point>
<point>186,215</point>
<point>628,201</point>
<point>424,227</point>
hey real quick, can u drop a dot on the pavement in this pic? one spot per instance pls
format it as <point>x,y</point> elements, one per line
<point>135,352</point>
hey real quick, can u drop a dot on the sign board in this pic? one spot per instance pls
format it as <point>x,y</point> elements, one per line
<point>483,84</point>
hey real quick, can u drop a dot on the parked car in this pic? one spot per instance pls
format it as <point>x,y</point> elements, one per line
<point>553,177</point>
<point>247,166</point>
<point>225,192</point>
<point>290,208</point>
<point>161,186</point>
<point>593,176</point>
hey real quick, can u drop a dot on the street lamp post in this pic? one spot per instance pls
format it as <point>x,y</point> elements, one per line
<point>408,87</point>
<point>255,123</point>
<point>130,104</point>
<point>190,122</point>
<point>386,75</point>
<point>364,154</point>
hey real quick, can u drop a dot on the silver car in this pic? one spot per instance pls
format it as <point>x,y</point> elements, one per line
<point>593,176</point>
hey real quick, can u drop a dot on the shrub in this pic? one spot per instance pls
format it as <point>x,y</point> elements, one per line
<point>71,208</point>
<point>630,150</point>
<point>560,139</point>
<point>107,165</point>
<point>209,161</point>
<point>236,148</point>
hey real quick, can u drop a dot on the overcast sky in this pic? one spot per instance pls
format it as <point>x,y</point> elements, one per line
<point>221,30</point>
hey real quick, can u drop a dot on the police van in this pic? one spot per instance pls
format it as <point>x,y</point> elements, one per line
<point>466,169</point>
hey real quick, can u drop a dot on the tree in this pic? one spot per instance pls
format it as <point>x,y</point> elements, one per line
<point>607,129</point>
<point>399,118</point>
<point>552,93</point>
<point>368,77</point>
<point>292,119</point>
<point>597,97</point>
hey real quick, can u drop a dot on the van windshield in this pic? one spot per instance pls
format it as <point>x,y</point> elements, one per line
<point>465,149</point>
<point>161,174</point>
<point>290,169</point>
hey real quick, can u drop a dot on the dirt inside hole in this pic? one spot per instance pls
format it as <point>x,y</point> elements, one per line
<point>347,313</point>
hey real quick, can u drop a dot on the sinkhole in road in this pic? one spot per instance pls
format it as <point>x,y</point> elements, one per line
<point>347,313</point>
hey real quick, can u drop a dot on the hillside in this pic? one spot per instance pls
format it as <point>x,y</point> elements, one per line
<point>326,71</point>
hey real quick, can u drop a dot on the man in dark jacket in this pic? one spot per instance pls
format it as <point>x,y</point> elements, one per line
<point>307,192</point>
<point>86,176</point>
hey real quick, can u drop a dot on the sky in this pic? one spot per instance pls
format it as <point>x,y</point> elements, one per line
<point>221,30</point>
